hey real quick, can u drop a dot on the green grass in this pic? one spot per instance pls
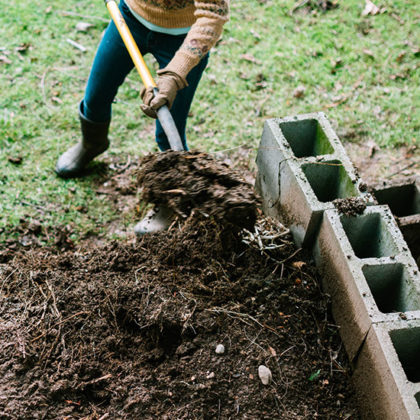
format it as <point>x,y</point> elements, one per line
<point>363,72</point>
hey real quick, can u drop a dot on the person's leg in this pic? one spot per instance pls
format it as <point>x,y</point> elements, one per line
<point>164,47</point>
<point>111,65</point>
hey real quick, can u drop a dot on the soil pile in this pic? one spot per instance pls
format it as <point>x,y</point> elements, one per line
<point>130,330</point>
<point>193,181</point>
<point>350,206</point>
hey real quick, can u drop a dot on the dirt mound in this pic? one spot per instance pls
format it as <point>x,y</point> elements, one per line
<point>130,330</point>
<point>193,181</point>
<point>350,206</point>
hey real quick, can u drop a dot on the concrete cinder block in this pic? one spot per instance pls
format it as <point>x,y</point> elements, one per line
<point>387,371</point>
<point>368,272</point>
<point>403,198</point>
<point>302,169</point>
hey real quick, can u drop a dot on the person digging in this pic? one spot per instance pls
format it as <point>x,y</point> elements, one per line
<point>179,34</point>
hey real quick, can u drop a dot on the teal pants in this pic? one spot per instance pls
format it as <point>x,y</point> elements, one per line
<point>112,63</point>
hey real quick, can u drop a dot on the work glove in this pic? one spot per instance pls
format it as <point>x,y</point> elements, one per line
<point>168,85</point>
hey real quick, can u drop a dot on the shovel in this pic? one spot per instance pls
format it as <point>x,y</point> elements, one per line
<point>163,113</point>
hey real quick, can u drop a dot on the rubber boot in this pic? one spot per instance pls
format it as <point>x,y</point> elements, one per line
<point>156,220</point>
<point>94,142</point>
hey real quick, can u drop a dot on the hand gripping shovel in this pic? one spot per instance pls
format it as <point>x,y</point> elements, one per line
<point>164,116</point>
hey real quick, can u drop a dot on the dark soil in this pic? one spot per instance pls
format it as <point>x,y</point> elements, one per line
<point>130,330</point>
<point>193,181</point>
<point>350,206</point>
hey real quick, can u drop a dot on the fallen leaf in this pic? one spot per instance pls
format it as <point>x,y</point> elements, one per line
<point>83,26</point>
<point>5,60</point>
<point>16,160</point>
<point>401,56</point>
<point>299,264</point>
<point>368,52</point>
<point>22,48</point>
<point>398,76</point>
<point>299,92</point>
<point>251,59</point>
<point>370,9</point>
<point>337,63</point>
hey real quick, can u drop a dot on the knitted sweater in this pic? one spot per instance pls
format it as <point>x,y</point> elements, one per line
<point>206,18</point>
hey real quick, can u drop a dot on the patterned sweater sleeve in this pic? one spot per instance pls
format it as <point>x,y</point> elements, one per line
<point>210,15</point>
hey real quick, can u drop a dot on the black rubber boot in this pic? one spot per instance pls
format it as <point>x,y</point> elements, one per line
<point>95,141</point>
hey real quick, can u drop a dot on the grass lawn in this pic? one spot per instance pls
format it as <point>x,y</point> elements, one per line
<point>362,71</point>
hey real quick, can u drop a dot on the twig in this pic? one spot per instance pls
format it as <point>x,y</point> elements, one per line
<point>57,312</point>
<point>403,169</point>
<point>59,323</point>
<point>241,316</point>
<point>76,45</point>
<point>44,96</point>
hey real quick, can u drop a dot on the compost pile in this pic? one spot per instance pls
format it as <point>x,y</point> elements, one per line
<point>193,181</point>
<point>129,329</point>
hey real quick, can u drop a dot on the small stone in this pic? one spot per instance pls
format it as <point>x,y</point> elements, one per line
<point>220,349</point>
<point>265,374</point>
<point>211,375</point>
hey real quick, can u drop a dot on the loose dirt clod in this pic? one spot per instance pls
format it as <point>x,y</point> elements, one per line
<point>193,181</point>
<point>350,206</point>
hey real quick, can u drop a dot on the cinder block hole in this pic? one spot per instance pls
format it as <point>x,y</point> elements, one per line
<point>403,200</point>
<point>417,396</point>
<point>329,180</point>
<point>369,236</point>
<point>390,287</point>
<point>407,345</point>
<point>306,138</point>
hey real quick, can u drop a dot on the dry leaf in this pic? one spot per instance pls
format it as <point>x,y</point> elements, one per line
<point>299,264</point>
<point>16,160</point>
<point>370,9</point>
<point>398,76</point>
<point>22,48</point>
<point>83,26</point>
<point>299,92</point>
<point>5,60</point>
<point>401,56</point>
<point>368,52</point>
<point>250,58</point>
<point>337,63</point>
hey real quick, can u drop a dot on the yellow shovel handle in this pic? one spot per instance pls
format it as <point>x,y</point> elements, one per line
<point>130,44</point>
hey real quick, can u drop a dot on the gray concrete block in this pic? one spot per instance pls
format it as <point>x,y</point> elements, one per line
<point>368,272</point>
<point>387,371</point>
<point>403,198</point>
<point>302,169</point>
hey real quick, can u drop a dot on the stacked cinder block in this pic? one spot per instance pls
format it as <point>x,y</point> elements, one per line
<point>403,198</point>
<point>374,286</point>
<point>366,265</point>
<point>303,169</point>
